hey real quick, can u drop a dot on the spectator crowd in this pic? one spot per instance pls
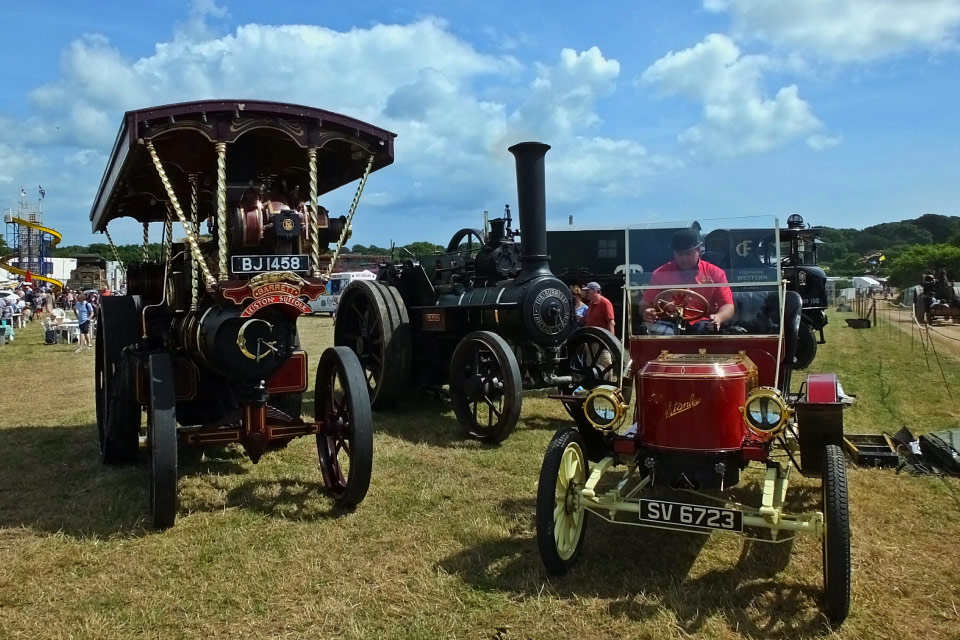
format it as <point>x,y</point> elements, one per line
<point>28,303</point>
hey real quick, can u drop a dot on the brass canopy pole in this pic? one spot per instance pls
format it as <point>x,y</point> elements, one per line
<point>191,237</point>
<point>194,223</point>
<point>116,254</point>
<point>314,215</point>
<point>222,210</point>
<point>146,241</point>
<point>353,209</point>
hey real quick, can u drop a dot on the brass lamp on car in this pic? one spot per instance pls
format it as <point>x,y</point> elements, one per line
<point>605,407</point>
<point>765,412</point>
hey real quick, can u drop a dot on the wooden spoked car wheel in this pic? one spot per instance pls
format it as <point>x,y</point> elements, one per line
<point>836,535</point>
<point>118,416</point>
<point>682,304</point>
<point>373,322</point>
<point>595,357</point>
<point>345,443</point>
<point>485,386</point>
<point>561,518</point>
<point>162,441</point>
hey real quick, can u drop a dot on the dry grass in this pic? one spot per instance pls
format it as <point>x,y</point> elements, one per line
<point>443,546</point>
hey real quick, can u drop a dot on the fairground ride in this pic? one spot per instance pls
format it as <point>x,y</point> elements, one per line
<point>31,244</point>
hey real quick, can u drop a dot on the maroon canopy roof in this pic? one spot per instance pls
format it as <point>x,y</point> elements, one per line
<point>263,139</point>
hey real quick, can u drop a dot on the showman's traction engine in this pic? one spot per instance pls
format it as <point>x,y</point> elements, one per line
<point>205,339</point>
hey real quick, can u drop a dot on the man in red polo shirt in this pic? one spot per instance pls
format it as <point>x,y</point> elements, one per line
<point>687,268</point>
<point>600,312</point>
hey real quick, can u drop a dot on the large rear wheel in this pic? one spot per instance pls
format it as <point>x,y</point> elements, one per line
<point>345,442</point>
<point>836,535</point>
<point>561,518</point>
<point>162,442</point>
<point>373,322</point>
<point>118,415</point>
<point>485,386</point>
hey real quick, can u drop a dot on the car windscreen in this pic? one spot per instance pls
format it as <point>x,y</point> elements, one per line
<point>703,266</point>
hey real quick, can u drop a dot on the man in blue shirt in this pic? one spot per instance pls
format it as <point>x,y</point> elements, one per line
<point>84,311</point>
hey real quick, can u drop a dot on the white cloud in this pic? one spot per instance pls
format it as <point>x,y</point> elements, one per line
<point>419,80</point>
<point>15,162</point>
<point>562,98</point>
<point>846,30</point>
<point>737,117</point>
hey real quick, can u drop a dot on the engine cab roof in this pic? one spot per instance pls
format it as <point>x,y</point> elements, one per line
<point>264,140</point>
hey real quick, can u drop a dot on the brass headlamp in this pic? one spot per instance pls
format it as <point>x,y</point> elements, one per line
<point>605,408</point>
<point>766,413</point>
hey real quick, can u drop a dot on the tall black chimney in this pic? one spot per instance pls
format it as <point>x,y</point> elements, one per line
<point>532,209</point>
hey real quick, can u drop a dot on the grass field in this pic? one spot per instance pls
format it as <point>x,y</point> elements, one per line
<point>444,545</point>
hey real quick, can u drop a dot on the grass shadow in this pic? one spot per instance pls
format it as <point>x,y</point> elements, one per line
<point>52,480</point>
<point>286,499</point>
<point>644,571</point>
<point>425,419</point>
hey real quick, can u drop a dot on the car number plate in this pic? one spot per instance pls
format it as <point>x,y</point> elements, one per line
<point>691,515</point>
<point>261,264</point>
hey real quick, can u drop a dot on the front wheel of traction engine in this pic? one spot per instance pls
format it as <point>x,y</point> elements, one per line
<point>485,387</point>
<point>561,518</point>
<point>836,535</point>
<point>162,442</point>
<point>345,442</point>
<point>373,322</point>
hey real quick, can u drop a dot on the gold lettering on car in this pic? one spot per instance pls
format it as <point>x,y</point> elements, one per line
<point>676,408</point>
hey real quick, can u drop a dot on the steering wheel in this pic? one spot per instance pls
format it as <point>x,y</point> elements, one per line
<point>685,304</point>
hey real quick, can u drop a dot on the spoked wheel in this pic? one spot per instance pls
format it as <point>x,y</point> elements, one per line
<point>806,346</point>
<point>373,322</point>
<point>118,416</point>
<point>836,535</point>
<point>561,518</point>
<point>595,357</point>
<point>472,238</point>
<point>345,443</point>
<point>485,387</point>
<point>162,442</point>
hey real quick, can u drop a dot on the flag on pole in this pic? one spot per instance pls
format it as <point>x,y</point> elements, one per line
<point>43,194</point>
<point>23,192</point>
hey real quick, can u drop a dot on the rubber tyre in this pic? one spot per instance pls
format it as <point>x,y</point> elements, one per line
<point>563,462</point>
<point>162,442</point>
<point>836,535</point>
<point>118,414</point>
<point>806,346</point>
<point>483,364</point>
<point>373,322</point>
<point>343,408</point>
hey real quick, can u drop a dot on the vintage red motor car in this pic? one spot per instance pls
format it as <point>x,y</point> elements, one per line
<point>713,349</point>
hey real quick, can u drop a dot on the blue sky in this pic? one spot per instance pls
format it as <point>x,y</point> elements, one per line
<point>842,110</point>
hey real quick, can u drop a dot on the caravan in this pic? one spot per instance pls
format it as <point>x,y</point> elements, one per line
<point>327,303</point>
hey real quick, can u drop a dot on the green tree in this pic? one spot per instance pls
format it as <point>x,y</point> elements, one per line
<point>423,248</point>
<point>906,270</point>
<point>941,228</point>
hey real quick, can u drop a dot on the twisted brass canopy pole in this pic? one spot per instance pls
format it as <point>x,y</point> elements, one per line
<point>191,237</point>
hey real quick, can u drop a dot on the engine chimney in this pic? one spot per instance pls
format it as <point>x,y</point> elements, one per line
<point>532,209</point>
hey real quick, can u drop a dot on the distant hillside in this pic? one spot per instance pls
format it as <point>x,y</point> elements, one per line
<point>848,252</point>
